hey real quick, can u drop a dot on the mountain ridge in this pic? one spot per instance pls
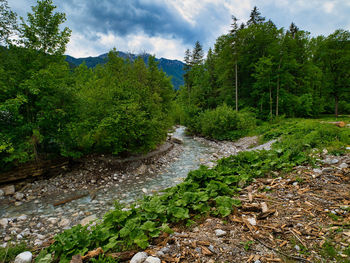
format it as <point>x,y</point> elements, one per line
<point>173,68</point>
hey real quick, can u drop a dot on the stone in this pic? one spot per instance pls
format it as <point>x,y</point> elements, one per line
<point>327,170</point>
<point>19,196</point>
<point>144,190</point>
<point>152,260</point>
<point>139,257</point>
<point>4,222</point>
<point>87,220</point>
<point>2,193</point>
<point>177,140</point>
<point>24,257</point>
<point>64,222</point>
<point>297,248</point>
<point>334,161</point>
<point>22,218</point>
<point>316,170</point>
<point>142,169</point>
<point>252,221</point>
<point>220,233</point>
<point>52,220</point>
<point>9,190</point>
<point>343,166</point>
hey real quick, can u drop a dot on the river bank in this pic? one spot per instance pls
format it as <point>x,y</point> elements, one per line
<point>43,208</point>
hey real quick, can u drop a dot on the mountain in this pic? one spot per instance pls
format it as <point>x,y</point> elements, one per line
<point>173,68</point>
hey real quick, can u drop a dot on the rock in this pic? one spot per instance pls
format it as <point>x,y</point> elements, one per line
<point>9,190</point>
<point>24,257</point>
<point>343,166</point>
<point>2,193</point>
<point>327,170</point>
<point>252,221</point>
<point>22,218</point>
<point>144,190</point>
<point>152,260</point>
<point>19,196</point>
<point>257,261</point>
<point>220,233</point>
<point>87,220</point>
<point>139,257</point>
<point>318,171</point>
<point>64,222</point>
<point>334,161</point>
<point>177,140</point>
<point>142,169</point>
<point>38,243</point>
<point>297,248</point>
<point>7,238</point>
<point>4,222</point>
<point>52,220</point>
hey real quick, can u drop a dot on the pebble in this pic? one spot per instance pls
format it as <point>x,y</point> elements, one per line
<point>252,221</point>
<point>152,260</point>
<point>343,166</point>
<point>2,193</point>
<point>327,170</point>
<point>316,170</point>
<point>220,233</point>
<point>24,257</point>
<point>9,190</point>
<point>87,220</point>
<point>19,196</point>
<point>4,222</point>
<point>64,222</point>
<point>22,218</point>
<point>139,257</point>
<point>297,248</point>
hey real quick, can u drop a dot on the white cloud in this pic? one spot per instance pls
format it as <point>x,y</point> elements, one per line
<point>80,46</point>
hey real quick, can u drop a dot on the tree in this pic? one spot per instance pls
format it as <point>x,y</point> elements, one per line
<point>43,32</point>
<point>197,54</point>
<point>255,17</point>
<point>8,23</point>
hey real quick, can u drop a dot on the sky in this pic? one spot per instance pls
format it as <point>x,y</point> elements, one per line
<point>166,28</point>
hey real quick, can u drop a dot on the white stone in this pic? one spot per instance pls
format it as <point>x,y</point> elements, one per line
<point>152,260</point>
<point>19,196</point>
<point>24,257</point>
<point>144,190</point>
<point>64,222</point>
<point>343,166</point>
<point>9,190</point>
<point>316,170</point>
<point>139,257</point>
<point>252,221</point>
<point>4,222</point>
<point>87,220</point>
<point>2,193</point>
<point>220,233</point>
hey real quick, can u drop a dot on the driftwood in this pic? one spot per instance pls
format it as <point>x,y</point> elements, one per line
<point>62,202</point>
<point>34,169</point>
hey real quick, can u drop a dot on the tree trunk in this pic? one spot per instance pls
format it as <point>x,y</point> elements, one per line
<point>336,105</point>
<point>278,87</point>
<point>236,86</point>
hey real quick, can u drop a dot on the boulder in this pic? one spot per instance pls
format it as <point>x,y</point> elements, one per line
<point>24,257</point>
<point>177,140</point>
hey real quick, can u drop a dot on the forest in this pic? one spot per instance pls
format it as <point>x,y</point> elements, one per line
<point>266,72</point>
<point>280,85</point>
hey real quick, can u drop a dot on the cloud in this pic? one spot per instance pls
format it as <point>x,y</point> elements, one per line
<point>168,27</point>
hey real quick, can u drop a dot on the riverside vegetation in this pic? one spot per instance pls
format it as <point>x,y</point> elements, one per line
<point>47,111</point>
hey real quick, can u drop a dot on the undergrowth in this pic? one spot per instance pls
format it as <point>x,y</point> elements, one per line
<point>204,192</point>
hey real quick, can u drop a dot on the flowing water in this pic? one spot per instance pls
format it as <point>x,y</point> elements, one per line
<point>126,189</point>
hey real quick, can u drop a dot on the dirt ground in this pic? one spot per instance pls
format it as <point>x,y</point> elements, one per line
<point>302,216</point>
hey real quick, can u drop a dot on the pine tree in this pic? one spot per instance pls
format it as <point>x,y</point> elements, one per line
<point>255,17</point>
<point>293,30</point>
<point>234,26</point>
<point>197,54</point>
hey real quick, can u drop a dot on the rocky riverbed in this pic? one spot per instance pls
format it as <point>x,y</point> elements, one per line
<point>35,211</point>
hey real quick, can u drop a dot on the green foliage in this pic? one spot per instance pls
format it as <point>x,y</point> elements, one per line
<point>222,123</point>
<point>8,253</point>
<point>204,191</point>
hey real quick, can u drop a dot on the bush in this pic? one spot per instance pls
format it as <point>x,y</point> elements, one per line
<point>225,123</point>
